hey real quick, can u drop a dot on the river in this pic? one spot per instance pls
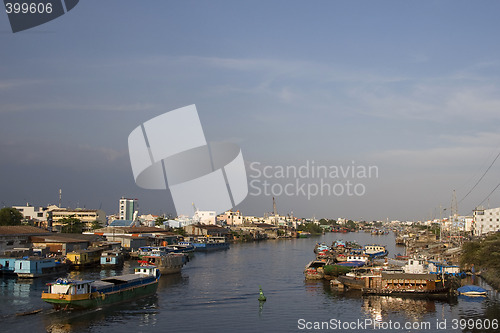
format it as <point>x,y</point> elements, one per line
<point>217,292</point>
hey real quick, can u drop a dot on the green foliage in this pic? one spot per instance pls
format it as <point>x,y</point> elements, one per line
<point>95,225</point>
<point>483,254</point>
<point>159,220</point>
<point>71,225</point>
<point>313,228</point>
<point>336,270</point>
<point>10,216</point>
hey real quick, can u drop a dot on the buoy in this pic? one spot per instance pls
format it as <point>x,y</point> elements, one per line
<point>262,298</point>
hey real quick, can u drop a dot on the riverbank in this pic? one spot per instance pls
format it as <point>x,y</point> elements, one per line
<point>483,256</point>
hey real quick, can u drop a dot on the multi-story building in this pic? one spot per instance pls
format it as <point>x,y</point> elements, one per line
<point>231,218</point>
<point>87,216</point>
<point>127,208</point>
<point>205,217</point>
<point>486,220</point>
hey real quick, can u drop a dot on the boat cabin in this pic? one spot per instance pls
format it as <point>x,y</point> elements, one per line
<point>70,287</point>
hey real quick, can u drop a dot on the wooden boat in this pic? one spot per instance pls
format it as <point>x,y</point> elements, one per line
<point>169,263</point>
<point>70,294</point>
<point>359,278</point>
<point>314,270</point>
<point>355,260</point>
<point>207,244</point>
<point>375,251</point>
<point>406,283</point>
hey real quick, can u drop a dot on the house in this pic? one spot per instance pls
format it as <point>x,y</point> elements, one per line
<point>205,230</point>
<point>62,244</point>
<point>12,237</point>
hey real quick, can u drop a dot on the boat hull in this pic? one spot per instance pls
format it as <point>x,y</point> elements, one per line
<point>96,299</point>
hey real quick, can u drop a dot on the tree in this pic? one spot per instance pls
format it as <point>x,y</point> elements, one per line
<point>71,225</point>
<point>95,225</point>
<point>10,216</point>
<point>159,220</point>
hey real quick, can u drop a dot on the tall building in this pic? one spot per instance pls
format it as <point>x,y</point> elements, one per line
<point>127,208</point>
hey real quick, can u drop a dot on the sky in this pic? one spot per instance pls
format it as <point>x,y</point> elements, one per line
<point>411,89</point>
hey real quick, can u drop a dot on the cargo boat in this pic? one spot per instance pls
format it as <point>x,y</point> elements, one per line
<point>169,263</point>
<point>207,244</point>
<point>76,294</point>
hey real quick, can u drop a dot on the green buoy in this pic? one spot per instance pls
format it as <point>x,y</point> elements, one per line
<point>262,298</point>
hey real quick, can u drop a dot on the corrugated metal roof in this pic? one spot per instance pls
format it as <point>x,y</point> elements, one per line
<point>21,230</point>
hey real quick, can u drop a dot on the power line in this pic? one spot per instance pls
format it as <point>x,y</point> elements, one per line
<point>484,174</point>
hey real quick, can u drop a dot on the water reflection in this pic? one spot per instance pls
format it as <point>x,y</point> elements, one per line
<point>379,307</point>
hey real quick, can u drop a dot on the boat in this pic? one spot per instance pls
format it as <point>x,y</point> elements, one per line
<point>355,260</point>
<point>77,294</point>
<point>181,247</point>
<point>359,278</point>
<point>436,267</point>
<point>314,270</point>
<point>321,247</point>
<point>149,250</point>
<point>34,267</point>
<point>397,284</point>
<point>112,258</point>
<point>303,234</point>
<point>207,244</point>
<point>472,291</point>
<point>169,263</point>
<point>375,251</point>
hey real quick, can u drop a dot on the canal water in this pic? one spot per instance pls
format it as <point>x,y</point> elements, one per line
<point>218,292</point>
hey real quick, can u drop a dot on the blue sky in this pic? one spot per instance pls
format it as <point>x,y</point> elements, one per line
<point>411,87</point>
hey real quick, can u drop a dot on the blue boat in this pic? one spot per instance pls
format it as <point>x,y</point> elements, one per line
<point>38,267</point>
<point>472,291</point>
<point>208,244</point>
<point>375,251</point>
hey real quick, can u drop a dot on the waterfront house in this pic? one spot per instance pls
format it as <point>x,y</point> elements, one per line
<point>12,237</point>
<point>206,230</point>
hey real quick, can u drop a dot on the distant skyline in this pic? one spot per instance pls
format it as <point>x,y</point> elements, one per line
<point>411,88</point>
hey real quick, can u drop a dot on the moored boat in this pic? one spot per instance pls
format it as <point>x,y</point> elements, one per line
<point>207,244</point>
<point>407,283</point>
<point>375,251</point>
<point>169,263</point>
<point>472,291</point>
<point>76,294</point>
<point>355,260</point>
<point>314,270</point>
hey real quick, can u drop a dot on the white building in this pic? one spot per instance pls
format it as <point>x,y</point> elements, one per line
<point>33,213</point>
<point>486,220</point>
<point>127,208</point>
<point>231,218</point>
<point>205,217</point>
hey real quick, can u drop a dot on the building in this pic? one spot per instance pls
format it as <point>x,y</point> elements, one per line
<point>88,217</point>
<point>31,213</point>
<point>485,221</point>
<point>12,237</point>
<point>231,218</point>
<point>205,217</point>
<point>127,208</point>
<point>205,230</point>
